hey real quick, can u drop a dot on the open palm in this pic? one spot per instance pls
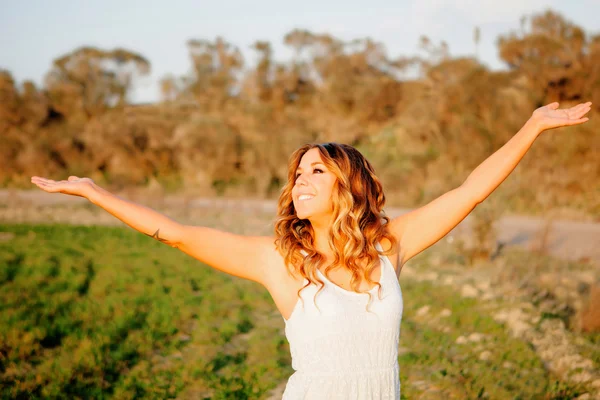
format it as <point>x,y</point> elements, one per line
<point>549,116</point>
<point>74,185</point>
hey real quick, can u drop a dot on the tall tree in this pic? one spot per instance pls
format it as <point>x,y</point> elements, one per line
<point>89,80</point>
<point>551,54</point>
<point>9,101</point>
<point>216,68</point>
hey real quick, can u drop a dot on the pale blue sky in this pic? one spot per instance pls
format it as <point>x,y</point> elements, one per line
<point>34,32</point>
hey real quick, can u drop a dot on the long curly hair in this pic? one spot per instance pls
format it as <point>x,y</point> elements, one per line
<point>359,221</point>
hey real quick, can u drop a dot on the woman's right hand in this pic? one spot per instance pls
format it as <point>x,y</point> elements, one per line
<point>74,185</point>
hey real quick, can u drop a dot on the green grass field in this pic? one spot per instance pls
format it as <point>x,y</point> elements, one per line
<point>106,312</point>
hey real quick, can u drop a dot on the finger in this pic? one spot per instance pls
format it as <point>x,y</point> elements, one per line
<point>577,121</point>
<point>51,189</point>
<point>578,111</point>
<point>581,112</point>
<point>580,107</point>
<point>39,182</point>
<point>587,105</point>
<point>584,111</point>
<point>46,187</point>
<point>44,179</point>
<point>72,178</point>
<point>553,106</point>
<point>55,187</point>
<point>576,108</point>
<point>46,182</point>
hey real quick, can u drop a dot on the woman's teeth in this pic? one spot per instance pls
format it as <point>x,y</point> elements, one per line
<point>305,197</point>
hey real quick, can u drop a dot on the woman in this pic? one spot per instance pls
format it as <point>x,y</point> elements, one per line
<point>344,342</point>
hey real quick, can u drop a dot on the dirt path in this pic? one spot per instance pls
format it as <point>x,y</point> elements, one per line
<point>570,240</point>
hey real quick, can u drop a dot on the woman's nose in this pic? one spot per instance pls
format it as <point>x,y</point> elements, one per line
<point>300,180</point>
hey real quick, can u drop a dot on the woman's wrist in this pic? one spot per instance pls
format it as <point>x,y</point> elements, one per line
<point>534,126</point>
<point>94,193</point>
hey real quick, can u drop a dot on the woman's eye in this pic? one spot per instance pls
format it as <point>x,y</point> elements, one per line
<point>314,170</point>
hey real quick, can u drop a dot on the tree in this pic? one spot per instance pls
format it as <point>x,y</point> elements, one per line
<point>551,54</point>
<point>216,66</point>
<point>90,80</point>
<point>9,101</point>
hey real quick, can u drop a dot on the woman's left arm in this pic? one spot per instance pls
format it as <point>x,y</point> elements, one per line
<point>424,226</point>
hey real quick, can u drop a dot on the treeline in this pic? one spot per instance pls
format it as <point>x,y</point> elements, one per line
<point>229,128</point>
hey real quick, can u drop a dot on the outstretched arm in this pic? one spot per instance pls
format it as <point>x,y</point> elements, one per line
<point>139,217</point>
<point>243,256</point>
<point>421,228</point>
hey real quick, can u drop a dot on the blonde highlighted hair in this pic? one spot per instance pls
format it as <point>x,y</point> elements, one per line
<point>359,222</point>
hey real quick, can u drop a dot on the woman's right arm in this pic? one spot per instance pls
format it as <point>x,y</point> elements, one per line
<point>140,218</point>
<point>248,257</point>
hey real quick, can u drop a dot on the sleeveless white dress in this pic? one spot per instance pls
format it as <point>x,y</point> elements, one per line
<point>345,351</point>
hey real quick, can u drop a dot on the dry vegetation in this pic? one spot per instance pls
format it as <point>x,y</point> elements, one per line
<point>228,128</point>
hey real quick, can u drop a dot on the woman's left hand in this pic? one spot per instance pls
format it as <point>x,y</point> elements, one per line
<point>549,116</point>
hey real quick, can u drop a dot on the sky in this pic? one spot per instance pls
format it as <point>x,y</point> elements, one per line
<point>35,32</point>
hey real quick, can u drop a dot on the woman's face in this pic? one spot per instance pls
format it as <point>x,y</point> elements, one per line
<point>314,179</point>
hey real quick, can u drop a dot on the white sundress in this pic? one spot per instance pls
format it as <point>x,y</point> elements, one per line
<point>344,351</point>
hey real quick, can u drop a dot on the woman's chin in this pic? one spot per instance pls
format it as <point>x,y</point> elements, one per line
<point>302,215</point>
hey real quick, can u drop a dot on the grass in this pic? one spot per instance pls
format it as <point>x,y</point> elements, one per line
<point>97,312</point>
<point>454,370</point>
<point>511,368</point>
<point>105,312</point>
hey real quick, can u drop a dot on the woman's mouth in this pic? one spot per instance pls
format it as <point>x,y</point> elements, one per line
<point>305,197</point>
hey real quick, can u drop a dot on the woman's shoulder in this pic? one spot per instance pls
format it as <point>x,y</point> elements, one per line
<point>394,256</point>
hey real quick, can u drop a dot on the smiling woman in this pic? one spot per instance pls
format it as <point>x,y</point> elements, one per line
<point>330,217</point>
<point>333,203</point>
<point>316,180</point>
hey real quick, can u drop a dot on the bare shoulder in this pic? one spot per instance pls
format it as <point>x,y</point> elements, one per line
<point>281,282</point>
<point>275,272</point>
<point>394,258</point>
<point>247,257</point>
